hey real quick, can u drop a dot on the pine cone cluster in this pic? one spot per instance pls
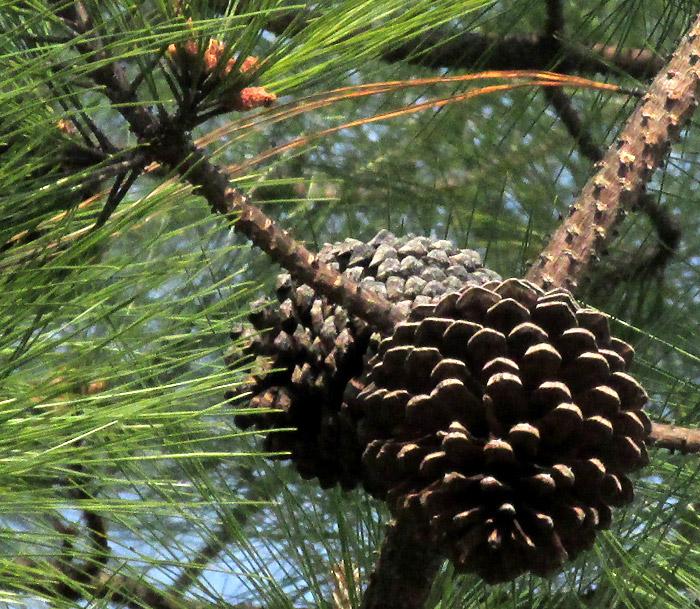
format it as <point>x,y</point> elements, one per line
<point>503,420</point>
<point>314,352</point>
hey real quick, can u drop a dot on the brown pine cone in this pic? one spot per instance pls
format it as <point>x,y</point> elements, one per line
<point>504,421</point>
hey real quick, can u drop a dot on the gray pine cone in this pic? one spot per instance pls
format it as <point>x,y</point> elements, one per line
<point>312,352</point>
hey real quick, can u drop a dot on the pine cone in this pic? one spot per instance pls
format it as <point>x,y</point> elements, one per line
<point>504,421</point>
<point>314,349</point>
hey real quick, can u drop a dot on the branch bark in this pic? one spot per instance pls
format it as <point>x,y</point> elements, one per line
<point>674,437</point>
<point>641,148</point>
<point>667,228</point>
<point>524,52</point>
<point>620,182</point>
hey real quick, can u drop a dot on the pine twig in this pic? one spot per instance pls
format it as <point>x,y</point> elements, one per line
<point>573,123</point>
<point>624,171</point>
<point>65,578</point>
<point>218,540</point>
<point>174,150</point>
<point>554,25</point>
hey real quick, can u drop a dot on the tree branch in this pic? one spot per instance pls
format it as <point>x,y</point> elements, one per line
<point>554,25</point>
<point>90,579</point>
<point>217,542</point>
<point>572,121</point>
<point>220,538</point>
<point>404,572</point>
<point>173,149</point>
<point>119,589</point>
<point>625,170</point>
<point>65,578</point>
<point>167,142</point>
<point>525,52</point>
<point>471,50</point>
<point>674,437</point>
<point>667,229</point>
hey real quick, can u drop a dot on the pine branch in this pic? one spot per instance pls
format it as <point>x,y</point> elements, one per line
<point>629,164</point>
<point>472,51</point>
<point>525,52</point>
<point>65,578</point>
<point>674,437</point>
<point>554,25</point>
<point>121,590</point>
<point>166,141</point>
<point>91,580</point>
<point>665,226</point>
<point>218,540</point>
<point>624,171</point>
<point>404,572</point>
<point>667,229</point>
<point>573,124</point>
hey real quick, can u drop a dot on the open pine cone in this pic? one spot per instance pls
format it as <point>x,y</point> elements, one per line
<point>310,350</point>
<point>503,420</point>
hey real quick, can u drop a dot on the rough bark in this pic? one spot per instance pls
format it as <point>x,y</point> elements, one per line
<point>624,172</point>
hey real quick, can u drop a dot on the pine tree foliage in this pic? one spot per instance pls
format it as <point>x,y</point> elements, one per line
<point>125,481</point>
